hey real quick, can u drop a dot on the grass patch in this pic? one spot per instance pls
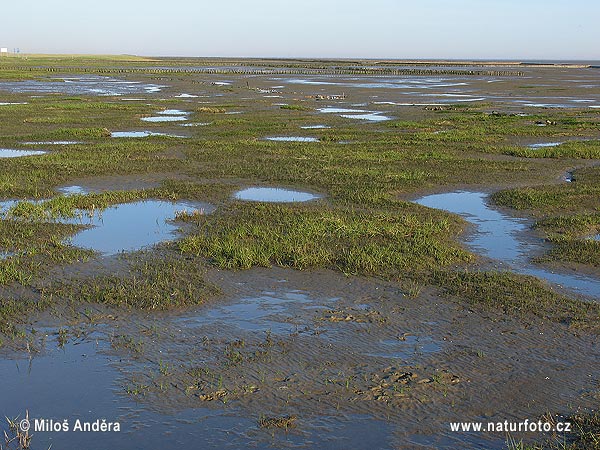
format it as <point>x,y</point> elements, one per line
<point>581,150</point>
<point>354,242</point>
<point>152,285</point>
<point>520,295</point>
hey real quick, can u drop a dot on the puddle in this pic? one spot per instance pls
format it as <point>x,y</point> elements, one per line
<point>186,96</point>
<point>174,112</point>
<point>334,110</point>
<point>52,143</point>
<point>544,144</point>
<point>505,238</point>
<point>10,153</point>
<point>72,190</point>
<point>291,139</point>
<point>315,127</point>
<point>163,119</point>
<point>12,103</point>
<point>359,114</point>
<point>5,255</point>
<point>371,117</point>
<point>195,124</point>
<point>141,134</point>
<point>130,226</point>
<point>274,195</point>
<point>90,85</point>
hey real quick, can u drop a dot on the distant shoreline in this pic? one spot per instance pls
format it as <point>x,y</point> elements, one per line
<point>372,61</point>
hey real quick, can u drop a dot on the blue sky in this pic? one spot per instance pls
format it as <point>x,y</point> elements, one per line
<point>485,29</point>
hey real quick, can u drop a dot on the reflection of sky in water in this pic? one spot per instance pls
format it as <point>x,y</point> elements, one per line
<point>123,227</point>
<point>10,153</point>
<point>265,194</point>
<point>93,85</point>
<point>504,238</point>
<point>81,381</point>
<point>130,226</point>
<point>140,134</point>
<point>163,119</point>
<point>406,90</point>
<point>291,139</point>
<point>544,144</point>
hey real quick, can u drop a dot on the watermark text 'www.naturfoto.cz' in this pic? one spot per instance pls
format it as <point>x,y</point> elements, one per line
<point>526,426</point>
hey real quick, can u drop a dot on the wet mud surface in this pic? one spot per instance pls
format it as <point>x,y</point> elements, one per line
<point>340,355</point>
<point>344,361</point>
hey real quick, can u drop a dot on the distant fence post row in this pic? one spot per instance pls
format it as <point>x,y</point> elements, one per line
<point>230,71</point>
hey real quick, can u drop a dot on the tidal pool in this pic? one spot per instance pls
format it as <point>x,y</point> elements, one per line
<point>164,119</point>
<point>506,239</point>
<point>360,114</point>
<point>130,226</point>
<point>274,195</point>
<point>173,112</point>
<point>94,85</point>
<point>195,124</point>
<point>291,139</point>
<point>52,143</point>
<point>371,117</point>
<point>141,134</point>
<point>10,153</point>
<point>335,110</point>
<point>72,190</point>
<point>544,144</point>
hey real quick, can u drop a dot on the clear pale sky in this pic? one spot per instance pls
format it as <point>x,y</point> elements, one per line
<point>483,29</point>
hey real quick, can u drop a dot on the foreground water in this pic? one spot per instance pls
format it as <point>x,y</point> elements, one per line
<point>506,239</point>
<point>82,380</point>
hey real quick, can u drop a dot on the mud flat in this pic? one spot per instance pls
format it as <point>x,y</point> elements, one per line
<point>253,294</point>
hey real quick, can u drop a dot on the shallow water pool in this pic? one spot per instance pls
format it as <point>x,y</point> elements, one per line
<point>11,153</point>
<point>274,195</point>
<point>505,238</point>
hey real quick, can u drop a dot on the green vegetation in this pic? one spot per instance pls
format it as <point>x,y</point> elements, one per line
<point>153,285</point>
<point>295,107</point>
<point>351,241</point>
<point>361,226</point>
<point>520,295</point>
<point>568,215</point>
<point>584,435</point>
